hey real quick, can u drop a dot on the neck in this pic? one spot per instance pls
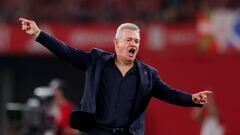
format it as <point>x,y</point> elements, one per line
<point>123,66</point>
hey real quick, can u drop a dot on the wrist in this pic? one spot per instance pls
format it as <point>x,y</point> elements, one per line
<point>36,33</point>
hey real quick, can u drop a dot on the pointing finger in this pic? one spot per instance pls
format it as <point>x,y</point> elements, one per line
<point>207,92</point>
<point>202,96</point>
<point>23,20</point>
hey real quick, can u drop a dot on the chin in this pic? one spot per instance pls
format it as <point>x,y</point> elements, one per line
<point>131,59</point>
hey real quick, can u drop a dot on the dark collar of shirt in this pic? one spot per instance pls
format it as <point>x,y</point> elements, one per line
<point>116,95</point>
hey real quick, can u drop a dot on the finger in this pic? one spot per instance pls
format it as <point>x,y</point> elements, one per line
<point>202,95</point>
<point>25,23</point>
<point>204,101</point>
<point>23,20</point>
<point>196,99</point>
<point>25,27</point>
<point>207,92</point>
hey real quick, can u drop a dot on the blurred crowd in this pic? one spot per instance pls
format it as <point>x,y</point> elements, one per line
<point>85,11</point>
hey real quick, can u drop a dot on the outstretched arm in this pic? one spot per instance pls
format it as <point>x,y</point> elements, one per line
<point>168,94</point>
<point>77,57</point>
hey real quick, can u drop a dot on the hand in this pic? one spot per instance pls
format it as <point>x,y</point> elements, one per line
<point>201,97</point>
<point>29,26</point>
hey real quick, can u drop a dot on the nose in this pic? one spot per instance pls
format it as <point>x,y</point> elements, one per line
<point>133,43</point>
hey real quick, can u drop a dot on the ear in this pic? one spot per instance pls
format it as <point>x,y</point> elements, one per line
<point>115,42</point>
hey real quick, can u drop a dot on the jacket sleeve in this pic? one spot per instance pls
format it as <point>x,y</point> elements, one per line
<point>76,57</point>
<point>168,94</point>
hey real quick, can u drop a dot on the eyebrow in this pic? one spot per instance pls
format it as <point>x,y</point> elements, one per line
<point>132,38</point>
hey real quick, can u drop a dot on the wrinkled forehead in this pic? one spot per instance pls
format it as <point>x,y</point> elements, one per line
<point>129,33</point>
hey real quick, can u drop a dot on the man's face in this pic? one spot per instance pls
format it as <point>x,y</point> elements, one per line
<point>127,45</point>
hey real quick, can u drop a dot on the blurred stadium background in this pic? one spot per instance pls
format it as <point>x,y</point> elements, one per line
<point>195,44</point>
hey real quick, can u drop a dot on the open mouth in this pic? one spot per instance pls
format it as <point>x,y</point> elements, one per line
<point>132,50</point>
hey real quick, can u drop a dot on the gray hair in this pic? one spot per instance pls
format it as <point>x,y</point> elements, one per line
<point>123,26</point>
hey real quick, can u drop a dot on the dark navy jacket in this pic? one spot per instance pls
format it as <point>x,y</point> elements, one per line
<point>92,63</point>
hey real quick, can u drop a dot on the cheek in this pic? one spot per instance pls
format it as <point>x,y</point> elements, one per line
<point>122,50</point>
<point>119,50</point>
<point>122,47</point>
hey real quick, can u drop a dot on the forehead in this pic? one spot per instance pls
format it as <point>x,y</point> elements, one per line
<point>128,33</point>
